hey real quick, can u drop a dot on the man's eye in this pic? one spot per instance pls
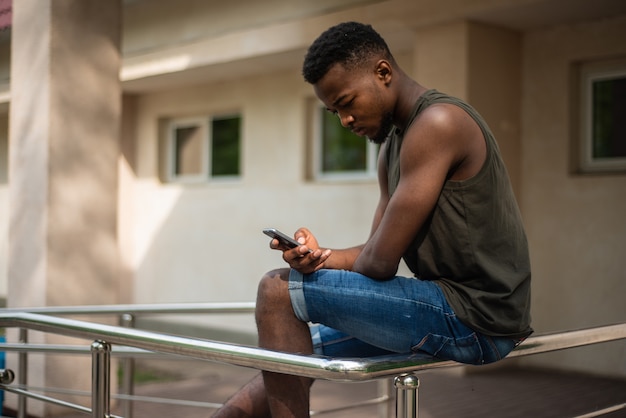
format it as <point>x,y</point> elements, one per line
<point>347,104</point>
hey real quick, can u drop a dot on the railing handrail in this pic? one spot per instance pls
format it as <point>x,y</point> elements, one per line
<point>132,309</point>
<point>339,369</point>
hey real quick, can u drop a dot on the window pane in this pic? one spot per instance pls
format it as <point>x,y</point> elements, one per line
<point>341,149</point>
<point>609,118</point>
<point>225,146</point>
<point>188,149</point>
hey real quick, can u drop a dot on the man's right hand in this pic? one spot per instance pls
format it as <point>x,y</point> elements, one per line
<point>300,258</point>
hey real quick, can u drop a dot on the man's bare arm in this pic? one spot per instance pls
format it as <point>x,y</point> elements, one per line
<point>433,146</point>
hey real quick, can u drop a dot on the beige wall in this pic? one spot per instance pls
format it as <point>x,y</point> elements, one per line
<point>204,19</point>
<point>63,155</point>
<point>575,222</point>
<point>4,202</point>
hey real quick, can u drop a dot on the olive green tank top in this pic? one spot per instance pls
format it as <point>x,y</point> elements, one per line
<point>473,244</point>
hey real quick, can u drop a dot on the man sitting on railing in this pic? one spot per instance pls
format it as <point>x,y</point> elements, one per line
<point>446,206</point>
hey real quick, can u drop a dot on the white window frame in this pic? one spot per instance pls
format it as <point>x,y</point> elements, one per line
<point>590,73</point>
<point>317,161</point>
<point>205,123</point>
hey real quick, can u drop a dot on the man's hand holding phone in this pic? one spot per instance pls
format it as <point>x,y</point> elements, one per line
<point>284,241</point>
<point>302,253</point>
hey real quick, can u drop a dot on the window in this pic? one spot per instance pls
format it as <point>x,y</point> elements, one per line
<point>337,152</point>
<point>603,116</point>
<point>202,149</point>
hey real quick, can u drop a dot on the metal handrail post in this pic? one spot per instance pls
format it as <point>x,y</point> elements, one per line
<point>385,391</point>
<point>100,379</point>
<point>128,369</point>
<point>22,367</point>
<point>406,395</point>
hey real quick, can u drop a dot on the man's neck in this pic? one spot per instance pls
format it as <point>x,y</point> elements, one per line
<point>408,92</point>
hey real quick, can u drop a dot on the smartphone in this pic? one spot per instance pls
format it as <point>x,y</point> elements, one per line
<point>284,239</point>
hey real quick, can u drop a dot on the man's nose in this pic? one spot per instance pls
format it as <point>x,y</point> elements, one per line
<point>346,120</point>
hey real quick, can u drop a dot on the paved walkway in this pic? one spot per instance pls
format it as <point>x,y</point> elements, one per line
<point>485,392</point>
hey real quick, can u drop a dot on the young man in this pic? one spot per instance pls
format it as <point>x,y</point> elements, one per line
<point>446,207</point>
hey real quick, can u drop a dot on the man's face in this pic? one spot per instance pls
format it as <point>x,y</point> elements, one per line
<point>357,97</point>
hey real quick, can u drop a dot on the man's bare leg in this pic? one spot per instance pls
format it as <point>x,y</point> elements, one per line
<point>279,329</point>
<point>250,401</point>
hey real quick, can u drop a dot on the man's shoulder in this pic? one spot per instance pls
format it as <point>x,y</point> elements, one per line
<point>445,133</point>
<point>439,121</point>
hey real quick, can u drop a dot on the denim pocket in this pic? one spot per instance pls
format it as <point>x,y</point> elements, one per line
<point>463,350</point>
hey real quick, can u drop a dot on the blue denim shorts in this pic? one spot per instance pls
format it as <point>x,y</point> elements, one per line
<point>352,315</point>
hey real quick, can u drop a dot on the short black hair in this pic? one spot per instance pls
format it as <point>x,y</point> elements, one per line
<point>348,43</point>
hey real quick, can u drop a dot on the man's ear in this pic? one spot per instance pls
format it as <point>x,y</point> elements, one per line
<point>384,71</point>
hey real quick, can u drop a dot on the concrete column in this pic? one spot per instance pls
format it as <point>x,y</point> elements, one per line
<point>483,65</point>
<point>63,156</point>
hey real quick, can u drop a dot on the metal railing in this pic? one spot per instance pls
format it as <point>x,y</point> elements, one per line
<point>133,342</point>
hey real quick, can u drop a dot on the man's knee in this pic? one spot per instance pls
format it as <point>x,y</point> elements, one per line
<point>273,301</point>
<point>274,287</point>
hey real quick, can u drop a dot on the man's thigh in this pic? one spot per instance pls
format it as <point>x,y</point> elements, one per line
<point>394,315</point>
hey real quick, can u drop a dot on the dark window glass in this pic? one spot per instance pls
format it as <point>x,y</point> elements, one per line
<point>609,118</point>
<point>342,151</point>
<point>225,146</point>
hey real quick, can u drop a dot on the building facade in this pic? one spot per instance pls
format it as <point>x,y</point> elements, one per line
<point>145,144</point>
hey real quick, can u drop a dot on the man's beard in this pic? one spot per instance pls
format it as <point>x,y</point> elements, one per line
<point>386,124</point>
